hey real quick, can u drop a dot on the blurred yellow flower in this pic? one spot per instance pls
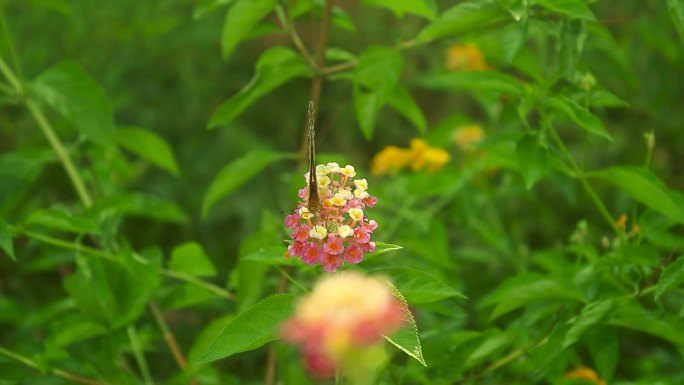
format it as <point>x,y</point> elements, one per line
<point>621,222</point>
<point>420,155</point>
<point>584,374</point>
<point>467,137</point>
<point>464,57</point>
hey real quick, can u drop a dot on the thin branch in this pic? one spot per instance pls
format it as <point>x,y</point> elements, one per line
<point>139,354</point>
<point>296,40</point>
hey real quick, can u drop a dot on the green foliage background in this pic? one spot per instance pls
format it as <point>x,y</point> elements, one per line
<point>183,121</point>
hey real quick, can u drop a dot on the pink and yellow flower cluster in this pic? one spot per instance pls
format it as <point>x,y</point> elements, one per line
<point>338,326</point>
<point>339,230</point>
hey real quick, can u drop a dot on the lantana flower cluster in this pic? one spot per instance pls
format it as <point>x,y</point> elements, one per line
<point>340,325</point>
<point>339,230</point>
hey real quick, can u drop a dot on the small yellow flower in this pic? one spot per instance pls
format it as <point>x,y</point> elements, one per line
<point>323,181</point>
<point>361,184</point>
<point>584,374</point>
<point>390,159</point>
<point>356,214</point>
<point>467,137</point>
<point>464,57</point>
<point>345,231</point>
<point>348,171</point>
<point>621,222</point>
<point>333,167</point>
<point>423,155</point>
<point>322,169</point>
<point>337,200</point>
<point>318,232</point>
<point>345,194</point>
<point>361,194</point>
<point>304,212</point>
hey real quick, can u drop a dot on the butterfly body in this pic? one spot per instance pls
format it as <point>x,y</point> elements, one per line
<point>313,202</point>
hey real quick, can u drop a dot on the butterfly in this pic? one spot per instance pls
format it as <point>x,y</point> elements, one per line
<point>313,201</point>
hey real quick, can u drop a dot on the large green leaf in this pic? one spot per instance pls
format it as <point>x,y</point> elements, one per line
<point>190,258</point>
<point>407,339</point>
<point>524,289</point>
<point>274,255</point>
<point>240,20</point>
<point>6,240</point>
<point>419,287</point>
<point>251,329</point>
<point>592,314</point>
<point>644,186</point>
<point>533,159</point>
<point>60,218</point>
<point>400,7</point>
<point>402,102</point>
<point>604,348</point>
<point>375,77</point>
<point>114,293</point>
<point>676,8</point>
<point>672,276</point>
<point>148,145</point>
<point>274,67</point>
<point>463,18</point>
<point>237,173</point>
<point>492,81</point>
<point>67,88</point>
<point>580,115</point>
<point>633,316</point>
<point>573,8</point>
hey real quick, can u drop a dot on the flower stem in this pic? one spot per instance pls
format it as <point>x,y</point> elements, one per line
<point>579,174</point>
<point>54,371</point>
<point>170,339</point>
<point>139,354</point>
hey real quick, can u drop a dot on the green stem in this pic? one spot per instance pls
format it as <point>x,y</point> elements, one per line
<point>10,45</point>
<point>292,280</point>
<point>54,371</point>
<point>139,354</point>
<point>220,292</point>
<point>11,78</point>
<point>103,254</point>
<point>61,152</point>
<point>290,29</point>
<point>579,174</point>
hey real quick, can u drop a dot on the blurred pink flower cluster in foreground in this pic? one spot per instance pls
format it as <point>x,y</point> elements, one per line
<point>339,230</point>
<point>339,326</point>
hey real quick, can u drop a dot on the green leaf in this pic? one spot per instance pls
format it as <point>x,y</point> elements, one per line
<point>419,287</point>
<point>251,329</point>
<point>407,339</point>
<point>402,102</point>
<point>513,39</point>
<point>148,145</point>
<point>635,317</point>
<point>604,348</point>
<point>6,240</point>
<point>524,289</point>
<point>495,342</point>
<point>382,248</point>
<point>533,159</point>
<point>61,219</point>
<point>275,67</point>
<point>68,89</point>
<point>463,18</point>
<point>140,205</point>
<point>367,105</point>
<point>580,115</point>
<point>592,314</point>
<point>644,186</point>
<point>400,7</point>
<point>375,77</point>
<point>190,258</point>
<point>492,81</point>
<point>240,20</point>
<point>571,41</point>
<point>573,8</point>
<point>672,276</point>
<point>378,68</point>
<point>237,173</point>
<point>676,8</point>
<point>205,7</point>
